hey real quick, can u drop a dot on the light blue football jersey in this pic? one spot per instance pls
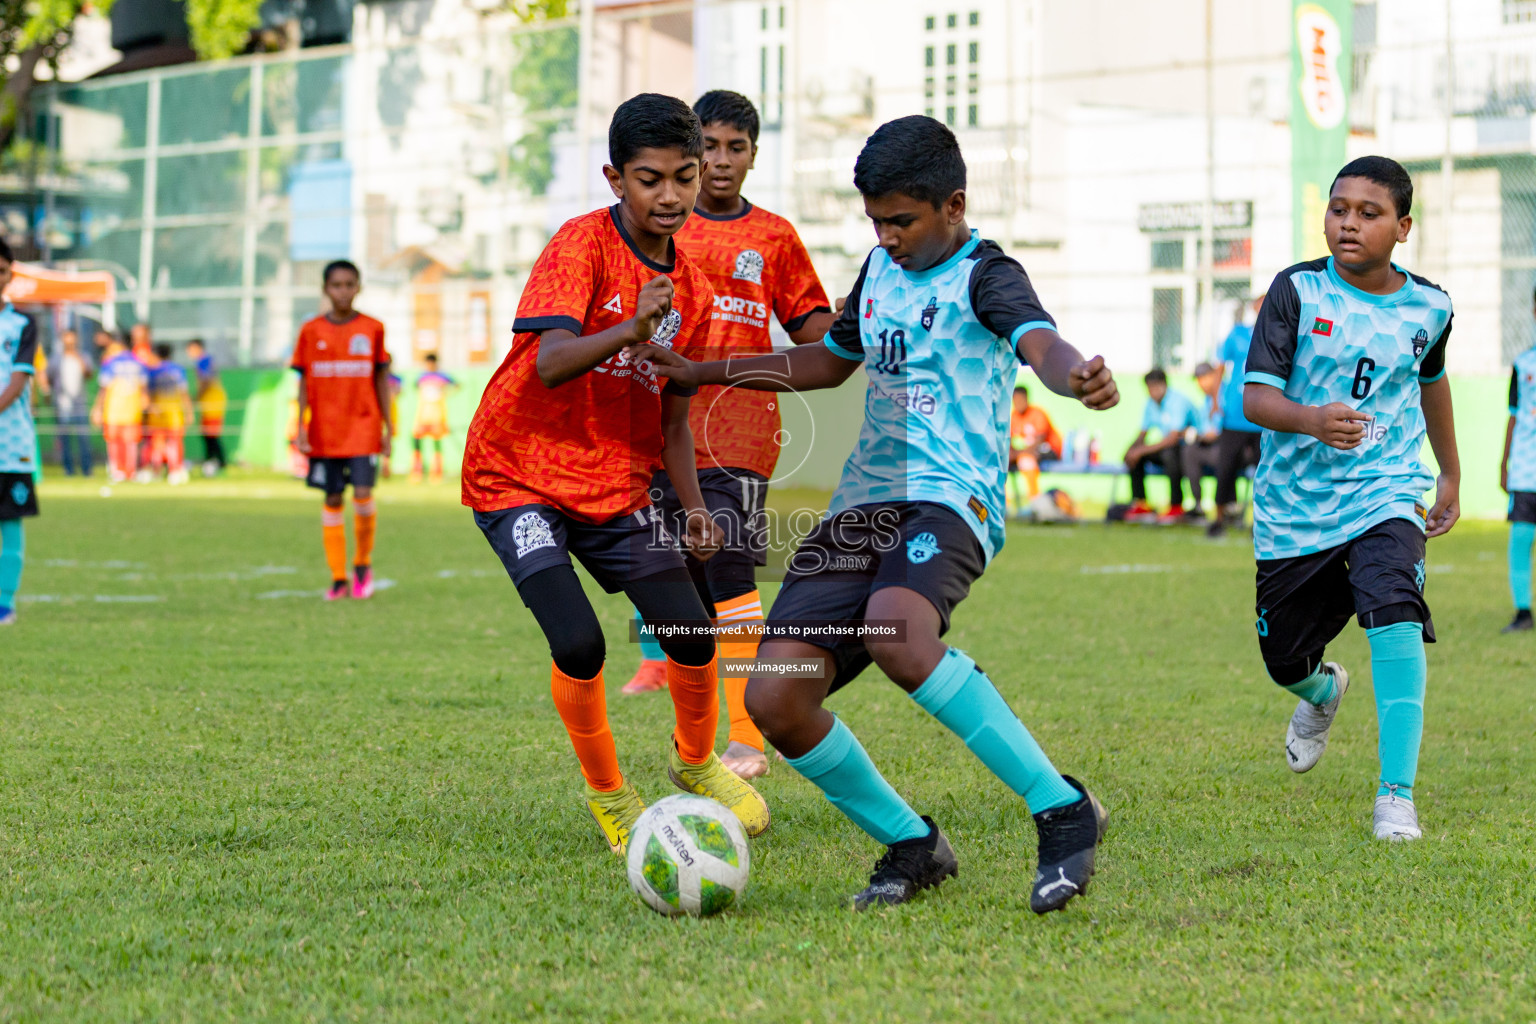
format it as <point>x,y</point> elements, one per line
<point>18,352</point>
<point>1173,415</point>
<point>1522,406</point>
<point>938,347</point>
<point>1321,340</point>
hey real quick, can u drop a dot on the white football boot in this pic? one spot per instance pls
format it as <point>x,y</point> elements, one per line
<point>1396,819</point>
<point>1307,736</point>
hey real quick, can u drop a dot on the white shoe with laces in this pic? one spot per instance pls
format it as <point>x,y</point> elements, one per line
<point>1307,735</point>
<point>1396,819</point>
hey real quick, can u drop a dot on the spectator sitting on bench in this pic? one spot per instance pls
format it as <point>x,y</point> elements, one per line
<point>1171,414</point>
<point>1201,455</point>
<point>1033,439</point>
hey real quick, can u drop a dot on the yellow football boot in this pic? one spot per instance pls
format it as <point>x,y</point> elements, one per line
<point>714,780</point>
<point>615,813</point>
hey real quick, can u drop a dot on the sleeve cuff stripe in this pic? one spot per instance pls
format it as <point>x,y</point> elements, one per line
<point>25,368</point>
<point>1255,377</point>
<point>1033,325</point>
<point>546,323</point>
<point>1431,380</point>
<point>857,357</point>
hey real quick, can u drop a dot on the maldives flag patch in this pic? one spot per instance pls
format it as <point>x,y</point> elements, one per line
<point>1323,327</point>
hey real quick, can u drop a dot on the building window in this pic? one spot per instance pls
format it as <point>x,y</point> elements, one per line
<point>1519,12</point>
<point>975,49</point>
<point>970,116</point>
<point>949,54</point>
<point>973,84</point>
<point>928,89</point>
<point>928,23</point>
<point>1168,254</point>
<point>973,19</point>
<point>952,21</point>
<point>927,56</point>
<point>765,18</point>
<point>949,116</point>
<point>949,87</point>
<point>1167,325</point>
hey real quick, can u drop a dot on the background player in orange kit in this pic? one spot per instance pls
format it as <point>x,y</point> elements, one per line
<point>757,264</point>
<point>432,389</point>
<point>559,457</point>
<point>343,422</point>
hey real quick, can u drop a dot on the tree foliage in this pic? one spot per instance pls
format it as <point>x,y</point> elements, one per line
<point>221,28</point>
<point>544,78</point>
<point>33,33</point>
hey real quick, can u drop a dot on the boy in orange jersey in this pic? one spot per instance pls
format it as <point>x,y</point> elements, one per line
<point>1032,438</point>
<point>343,422</point>
<point>757,263</point>
<point>559,457</point>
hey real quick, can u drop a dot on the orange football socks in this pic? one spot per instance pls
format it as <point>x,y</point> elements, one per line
<point>697,706</point>
<point>583,708</point>
<point>364,518</point>
<point>740,621</point>
<point>333,528</point>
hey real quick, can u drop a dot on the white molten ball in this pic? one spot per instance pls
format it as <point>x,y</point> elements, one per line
<point>688,855</point>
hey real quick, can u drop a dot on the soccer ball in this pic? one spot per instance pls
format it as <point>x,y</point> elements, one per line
<point>688,855</point>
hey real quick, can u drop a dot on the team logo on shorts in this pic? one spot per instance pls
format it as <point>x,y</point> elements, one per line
<point>667,329</point>
<point>1420,342</point>
<point>19,493</point>
<point>530,532</point>
<point>359,345</point>
<point>749,266</point>
<point>922,547</point>
<point>1418,575</point>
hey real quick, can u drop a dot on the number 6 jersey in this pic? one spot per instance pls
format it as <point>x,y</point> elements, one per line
<point>938,348</point>
<point>1322,340</point>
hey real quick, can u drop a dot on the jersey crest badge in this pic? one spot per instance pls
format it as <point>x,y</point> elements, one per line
<point>667,329</point>
<point>749,266</point>
<point>869,310</point>
<point>530,532</point>
<point>1323,327</point>
<point>614,305</point>
<point>359,345</point>
<point>922,547</point>
<point>1420,342</point>
<point>929,312</point>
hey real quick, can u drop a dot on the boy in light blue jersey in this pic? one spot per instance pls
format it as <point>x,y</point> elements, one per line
<point>1347,375</point>
<point>1517,475</point>
<point>18,440</point>
<point>1170,414</point>
<point>939,319</point>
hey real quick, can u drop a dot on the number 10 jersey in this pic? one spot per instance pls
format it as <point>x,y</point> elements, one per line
<point>938,348</point>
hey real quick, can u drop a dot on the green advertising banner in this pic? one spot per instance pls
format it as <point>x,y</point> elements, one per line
<point>1320,69</point>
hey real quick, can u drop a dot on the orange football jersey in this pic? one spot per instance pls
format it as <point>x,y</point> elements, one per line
<point>338,362</point>
<point>757,263</point>
<point>590,446</point>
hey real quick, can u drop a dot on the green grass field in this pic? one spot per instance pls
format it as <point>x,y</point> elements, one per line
<point>221,799</point>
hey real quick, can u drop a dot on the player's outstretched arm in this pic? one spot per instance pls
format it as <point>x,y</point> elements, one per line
<point>1509,440</point>
<point>1335,424</point>
<point>703,535</point>
<point>565,355</point>
<point>1062,368</point>
<point>1440,425</point>
<point>804,368</point>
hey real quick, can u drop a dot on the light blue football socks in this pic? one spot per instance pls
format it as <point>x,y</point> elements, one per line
<point>13,550</point>
<point>840,768</point>
<point>961,696</point>
<point>1318,688</point>
<point>1521,536</point>
<point>1398,671</point>
<point>650,649</point>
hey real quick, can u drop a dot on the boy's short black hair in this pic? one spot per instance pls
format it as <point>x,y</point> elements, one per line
<point>430,357</point>
<point>1387,173</point>
<point>335,265</point>
<point>1156,375</point>
<point>721,106</point>
<point>163,350</point>
<point>1020,389</point>
<point>5,252</point>
<point>196,341</point>
<point>653,121</point>
<point>915,156</point>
